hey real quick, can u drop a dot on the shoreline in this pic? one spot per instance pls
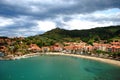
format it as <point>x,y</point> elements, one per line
<point>109,61</point>
<point>11,57</point>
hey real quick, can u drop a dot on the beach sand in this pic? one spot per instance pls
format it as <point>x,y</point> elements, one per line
<point>110,61</point>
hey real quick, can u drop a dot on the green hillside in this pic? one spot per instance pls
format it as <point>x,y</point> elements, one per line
<point>101,33</point>
<point>90,35</point>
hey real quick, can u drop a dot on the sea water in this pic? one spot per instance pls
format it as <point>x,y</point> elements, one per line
<point>57,68</point>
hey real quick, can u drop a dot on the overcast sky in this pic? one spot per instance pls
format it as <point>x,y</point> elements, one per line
<point>31,17</point>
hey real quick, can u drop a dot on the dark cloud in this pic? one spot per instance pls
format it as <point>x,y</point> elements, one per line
<point>25,13</point>
<point>19,31</point>
<point>78,7</point>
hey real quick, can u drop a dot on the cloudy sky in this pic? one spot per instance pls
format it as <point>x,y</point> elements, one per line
<point>31,17</point>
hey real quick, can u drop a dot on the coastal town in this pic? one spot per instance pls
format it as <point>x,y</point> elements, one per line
<point>59,39</point>
<point>14,47</point>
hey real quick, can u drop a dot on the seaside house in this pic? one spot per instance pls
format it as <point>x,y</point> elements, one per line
<point>81,49</point>
<point>115,47</point>
<point>102,47</point>
<point>57,48</point>
<point>34,48</point>
<point>68,49</point>
<point>89,48</point>
<point>75,48</point>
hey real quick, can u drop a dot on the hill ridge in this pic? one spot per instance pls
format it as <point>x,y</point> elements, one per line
<point>101,33</point>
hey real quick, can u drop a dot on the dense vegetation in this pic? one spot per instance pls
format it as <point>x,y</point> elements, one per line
<point>20,46</point>
<point>61,35</point>
<point>89,36</point>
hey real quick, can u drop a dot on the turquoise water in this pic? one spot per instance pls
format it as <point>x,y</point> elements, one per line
<point>57,68</point>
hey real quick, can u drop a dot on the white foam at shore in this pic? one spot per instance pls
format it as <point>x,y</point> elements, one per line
<point>25,56</point>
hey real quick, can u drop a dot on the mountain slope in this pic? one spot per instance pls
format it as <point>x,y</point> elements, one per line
<point>90,35</point>
<point>101,33</point>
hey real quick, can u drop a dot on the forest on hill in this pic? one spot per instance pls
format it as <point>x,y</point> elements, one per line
<point>90,35</point>
<point>20,45</point>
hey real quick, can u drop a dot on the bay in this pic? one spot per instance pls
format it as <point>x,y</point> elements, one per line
<point>57,68</point>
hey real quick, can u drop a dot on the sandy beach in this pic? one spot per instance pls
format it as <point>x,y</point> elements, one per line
<point>110,61</point>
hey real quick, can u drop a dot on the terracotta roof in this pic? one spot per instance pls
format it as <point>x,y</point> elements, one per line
<point>34,47</point>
